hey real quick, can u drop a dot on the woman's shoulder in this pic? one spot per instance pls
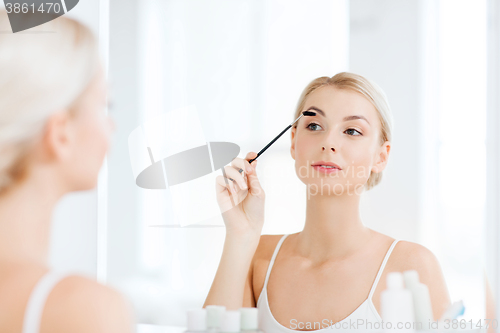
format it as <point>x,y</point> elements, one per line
<point>266,247</point>
<point>74,304</point>
<point>410,255</point>
<point>78,303</point>
<point>78,287</point>
<point>405,254</point>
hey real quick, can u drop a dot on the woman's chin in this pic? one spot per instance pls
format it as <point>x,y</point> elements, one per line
<point>333,187</point>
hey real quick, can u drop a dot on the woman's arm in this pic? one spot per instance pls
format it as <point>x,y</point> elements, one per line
<point>241,200</point>
<point>233,277</point>
<point>248,292</point>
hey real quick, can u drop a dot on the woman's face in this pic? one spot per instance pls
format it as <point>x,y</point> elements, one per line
<point>92,130</point>
<point>348,134</point>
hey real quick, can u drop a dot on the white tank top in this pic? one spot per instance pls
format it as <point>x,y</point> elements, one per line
<point>365,310</point>
<point>37,299</point>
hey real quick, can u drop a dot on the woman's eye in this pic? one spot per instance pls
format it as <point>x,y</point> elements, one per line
<point>314,124</point>
<point>348,130</point>
<point>352,129</point>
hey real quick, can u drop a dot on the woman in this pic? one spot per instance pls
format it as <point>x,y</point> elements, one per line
<point>54,134</point>
<point>334,270</point>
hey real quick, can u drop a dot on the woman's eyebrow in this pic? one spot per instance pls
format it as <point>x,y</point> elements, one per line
<point>321,112</point>
<point>317,109</point>
<point>356,117</point>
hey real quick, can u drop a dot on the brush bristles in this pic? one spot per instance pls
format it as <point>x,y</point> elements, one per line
<point>309,113</point>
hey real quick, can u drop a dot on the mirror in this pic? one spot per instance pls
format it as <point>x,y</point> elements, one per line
<point>242,66</point>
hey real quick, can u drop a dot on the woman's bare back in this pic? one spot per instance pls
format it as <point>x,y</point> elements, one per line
<point>16,283</point>
<point>76,303</point>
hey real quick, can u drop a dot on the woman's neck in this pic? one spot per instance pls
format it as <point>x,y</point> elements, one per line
<point>25,219</point>
<point>333,228</point>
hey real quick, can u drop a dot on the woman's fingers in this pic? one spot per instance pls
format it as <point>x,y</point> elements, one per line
<point>241,165</point>
<point>253,181</point>
<point>251,167</point>
<point>233,179</point>
<point>236,176</point>
<point>241,175</point>
<point>224,183</point>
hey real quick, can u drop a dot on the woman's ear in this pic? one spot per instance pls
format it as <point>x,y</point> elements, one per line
<point>58,137</point>
<point>292,147</point>
<point>382,157</point>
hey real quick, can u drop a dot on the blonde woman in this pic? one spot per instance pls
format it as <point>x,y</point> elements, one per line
<point>333,271</point>
<point>54,134</point>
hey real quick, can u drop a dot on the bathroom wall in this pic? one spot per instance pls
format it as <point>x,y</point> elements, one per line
<point>384,46</point>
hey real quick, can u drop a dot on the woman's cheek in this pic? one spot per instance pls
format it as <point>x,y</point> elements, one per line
<point>355,160</point>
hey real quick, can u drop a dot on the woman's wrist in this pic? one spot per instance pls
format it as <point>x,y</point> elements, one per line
<point>246,241</point>
<point>243,235</point>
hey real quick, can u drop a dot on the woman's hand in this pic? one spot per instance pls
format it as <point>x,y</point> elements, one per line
<point>241,198</point>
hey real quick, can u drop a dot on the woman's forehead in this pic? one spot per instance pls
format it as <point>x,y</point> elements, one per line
<point>336,103</point>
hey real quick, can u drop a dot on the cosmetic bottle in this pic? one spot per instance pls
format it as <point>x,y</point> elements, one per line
<point>396,305</point>
<point>250,320</point>
<point>231,322</point>
<point>196,321</point>
<point>214,317</point>
<point>421,300</point>
<point>454,310</point>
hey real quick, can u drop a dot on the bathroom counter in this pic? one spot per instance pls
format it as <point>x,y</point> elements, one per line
<point>146,328</point>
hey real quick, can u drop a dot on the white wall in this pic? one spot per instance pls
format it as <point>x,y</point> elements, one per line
<point>384,47</point>
<point>420,53</point>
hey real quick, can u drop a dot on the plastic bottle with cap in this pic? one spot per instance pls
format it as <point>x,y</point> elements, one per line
<point>197,321</point>
<point>396,305</point>
<point>421,299</point>
<point>231,322</point>
<point>250,320</point>
<point>214,317</point>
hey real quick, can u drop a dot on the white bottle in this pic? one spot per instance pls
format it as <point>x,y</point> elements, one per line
<point>250,320</point>
<point>421,299</point>
<point>214,317</point>
<point>396,305</point>
<point>197,321</point>
<point>231,322</point>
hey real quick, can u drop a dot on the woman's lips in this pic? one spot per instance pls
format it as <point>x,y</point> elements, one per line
<point>325,170</point>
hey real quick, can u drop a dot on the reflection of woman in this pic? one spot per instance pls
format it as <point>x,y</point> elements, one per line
<point>335,268</point>
<point>54,134</point>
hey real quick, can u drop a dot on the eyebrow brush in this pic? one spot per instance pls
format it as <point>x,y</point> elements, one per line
<point>304,113</point>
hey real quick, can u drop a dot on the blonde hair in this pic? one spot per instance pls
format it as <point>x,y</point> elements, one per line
<point>43,70</point>
<point>367,88</point>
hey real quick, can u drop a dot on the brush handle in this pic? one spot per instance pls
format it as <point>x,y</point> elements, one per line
<point>269,144</point>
